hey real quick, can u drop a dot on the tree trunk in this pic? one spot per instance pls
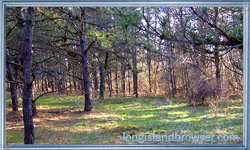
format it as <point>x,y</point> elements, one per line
<point>64,84</point>
<point>116,79</point>
<point>59,87</point>
<point>217,72</point>
<point>123,75</point>
<point>56,83</point>
<point>75,87</point>
<point>129,87</point>
<point>155,79</point>
<point>46,84</point>
<point>29,134</point>
<point>95,79</point>
<point>52,85</point>
<point>217,57</point>
<point>79,85</point>
<point>43,83</point>
<point>149,64</point>
<point>102,84</point>
<point>13,88</point>
<point>135,75</point>
<point>172,79</point>
<point>149,70</point>
<point>66,88</point>
<point>37,85</point>
<point>70,84</point>
<point>49,83</point>
<point>88,101</point>
<point>85,62</point>
<point>186,76</point>
<point>110,83</point>
<point>172,72</point>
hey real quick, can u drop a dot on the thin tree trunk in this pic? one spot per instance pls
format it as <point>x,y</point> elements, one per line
<point>172,73</point>
<point>187,81</point>
<point>56,83</point>
<point>123,73</point>
<point>65,86</point>
<point>52,85</point>
<point>155,79</point>
<point>29,134</point>
<point>149,64</point>
<point>173,84</point>
<point>95,79</point>
<point>42,83</point>
<point>70,85</point>
<point>102,83</point>
<point>129,87</point>
<point>79,85</point>
<point>217,72</point>
<point>110,83</point>
<point>116,79</point>
<point>75,87</point>
<point>13,88</point>
<point>49,83</point>
<point>135,75</point>
<point>37,85</point>
<point>60,87</point>
<point>149,70</point>
<point>46,84</point>
<point>217,56</point>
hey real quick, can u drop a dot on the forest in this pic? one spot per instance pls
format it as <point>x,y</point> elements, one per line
<point>85,75</point>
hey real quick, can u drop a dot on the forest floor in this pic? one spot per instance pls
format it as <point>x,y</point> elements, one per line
<point>61,120</point>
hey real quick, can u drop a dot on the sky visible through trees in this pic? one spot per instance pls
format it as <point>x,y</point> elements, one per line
<point>191,55</point>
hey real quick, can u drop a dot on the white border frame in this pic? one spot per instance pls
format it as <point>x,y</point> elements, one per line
<point>128,3</point>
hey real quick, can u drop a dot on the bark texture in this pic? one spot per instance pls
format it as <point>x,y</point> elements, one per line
<point>29,134</point>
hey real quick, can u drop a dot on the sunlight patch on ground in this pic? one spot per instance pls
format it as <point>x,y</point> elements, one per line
<point>68,124</point>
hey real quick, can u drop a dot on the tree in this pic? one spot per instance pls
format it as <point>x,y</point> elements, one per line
<point>162,45</point>
<point>13,86</point>
<point>85,61</point>
<point>29,134</point>
<point>135,72</point>
<point>13,58</point>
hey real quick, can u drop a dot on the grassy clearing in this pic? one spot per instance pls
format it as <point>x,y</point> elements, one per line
<point>61,121</point>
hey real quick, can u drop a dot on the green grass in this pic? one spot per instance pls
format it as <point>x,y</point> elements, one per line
<point>110,118</point>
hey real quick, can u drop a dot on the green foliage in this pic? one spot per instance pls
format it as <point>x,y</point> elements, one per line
<point>146,44</point>
<point>165,23</point>
<point>237,32</point>
<point>130,18</point>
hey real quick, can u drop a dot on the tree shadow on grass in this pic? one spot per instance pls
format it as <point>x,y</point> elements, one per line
<point>71,125</point>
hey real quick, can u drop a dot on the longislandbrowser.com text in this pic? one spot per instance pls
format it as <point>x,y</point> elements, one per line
<point>176,137</point>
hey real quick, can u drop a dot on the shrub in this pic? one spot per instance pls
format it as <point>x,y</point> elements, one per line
<point>202,90</point>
